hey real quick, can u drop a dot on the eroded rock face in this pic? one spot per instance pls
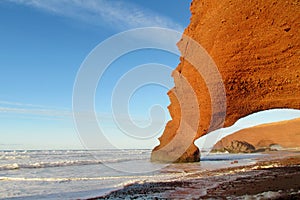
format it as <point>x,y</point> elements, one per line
<point>256,48</point>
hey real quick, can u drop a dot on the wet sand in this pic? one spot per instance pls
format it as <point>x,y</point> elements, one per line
<point>283,182</point>
<point>271,179</point>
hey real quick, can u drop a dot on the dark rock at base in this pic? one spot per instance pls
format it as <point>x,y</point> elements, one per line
<point>192,154</point>
<point>240,147</point>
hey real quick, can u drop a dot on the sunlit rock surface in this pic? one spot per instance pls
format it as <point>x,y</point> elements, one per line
<point>256,48</point>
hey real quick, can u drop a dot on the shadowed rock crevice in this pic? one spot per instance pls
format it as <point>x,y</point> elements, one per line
<point>256,48</point>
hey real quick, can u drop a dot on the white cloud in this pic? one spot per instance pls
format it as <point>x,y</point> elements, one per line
<point>32,111</point>
<point>29,110</point>
<point>25,110</point>
<point>9,103</point>
<point>117,14</point>
<point>42,112</point>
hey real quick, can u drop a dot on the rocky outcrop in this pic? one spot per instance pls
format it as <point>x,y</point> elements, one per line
<point>237,146</point>
<point>285,134</point>
<point>255,46</point>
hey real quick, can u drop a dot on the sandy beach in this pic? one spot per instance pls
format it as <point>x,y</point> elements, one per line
<point>275,178</point>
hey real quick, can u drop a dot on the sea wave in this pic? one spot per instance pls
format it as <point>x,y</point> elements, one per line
<point>64,163</point>
<point>14,157</point>
<point>61,179</point>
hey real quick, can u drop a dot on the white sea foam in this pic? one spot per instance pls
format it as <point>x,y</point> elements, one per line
<point>63,163</point>
<point>10,157</point>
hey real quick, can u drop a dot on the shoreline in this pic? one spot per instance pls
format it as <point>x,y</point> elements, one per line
<point>272,178</point>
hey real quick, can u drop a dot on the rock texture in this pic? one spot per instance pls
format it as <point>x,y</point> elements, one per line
<point>237,146</point>
<point>256,48</point>
<point>286,134</point>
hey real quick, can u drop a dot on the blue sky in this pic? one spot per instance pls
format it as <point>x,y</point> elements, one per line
<point>43,44</point>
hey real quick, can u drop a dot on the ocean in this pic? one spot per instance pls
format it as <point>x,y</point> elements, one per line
<point>81,174</point>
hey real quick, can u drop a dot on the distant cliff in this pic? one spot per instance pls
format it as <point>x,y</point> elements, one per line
<point>286,134</point>
<point>256,48</point>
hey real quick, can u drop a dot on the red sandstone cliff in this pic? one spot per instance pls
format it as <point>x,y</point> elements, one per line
<point>255,46</point>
